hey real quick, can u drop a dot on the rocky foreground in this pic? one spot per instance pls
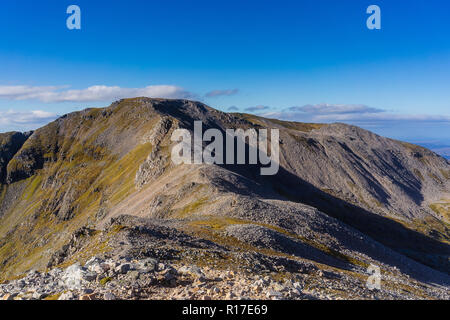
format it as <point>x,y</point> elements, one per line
<point>153,261</point>
<point>149,279</point>
<point>145,279</point>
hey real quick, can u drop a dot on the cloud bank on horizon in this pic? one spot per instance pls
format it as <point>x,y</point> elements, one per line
<point>381,121</point>
<point>347,113</point>
<point>52,94</point>
<point>218,93</point>
<point>13,120</point>
<point>102,93</point>
<point>25,120</point>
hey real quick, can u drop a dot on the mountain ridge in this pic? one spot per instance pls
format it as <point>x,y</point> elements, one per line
<point>336,183</point>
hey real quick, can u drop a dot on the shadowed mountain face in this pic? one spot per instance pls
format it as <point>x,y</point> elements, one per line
<point>344,197</point>
<point>10,143</point>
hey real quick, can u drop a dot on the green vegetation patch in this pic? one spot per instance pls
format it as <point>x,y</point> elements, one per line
<point>105,280</point>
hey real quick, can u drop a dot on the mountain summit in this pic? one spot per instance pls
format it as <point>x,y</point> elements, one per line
<point>101,183</point>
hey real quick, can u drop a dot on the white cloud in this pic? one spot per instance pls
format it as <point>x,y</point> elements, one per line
<point>91,94</point>
<point>373,117</point>
<point>257,108</point>
<point>217,93</point>
<point>24,92</point>
<point>335,109</point>
<point>349,113</point>
<point>25,119</point>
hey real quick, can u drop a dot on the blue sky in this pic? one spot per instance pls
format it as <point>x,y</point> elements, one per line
<point>298,60</point>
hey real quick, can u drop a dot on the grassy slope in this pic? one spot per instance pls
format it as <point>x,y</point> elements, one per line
<point>79,163</point>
